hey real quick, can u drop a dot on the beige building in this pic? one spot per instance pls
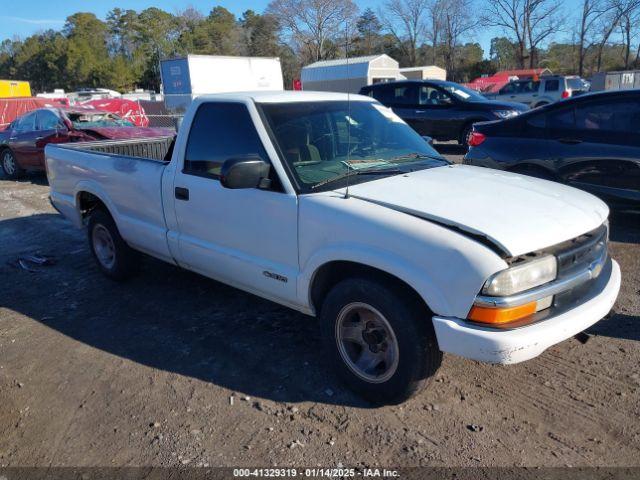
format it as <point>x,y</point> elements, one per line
<point>427,72</point>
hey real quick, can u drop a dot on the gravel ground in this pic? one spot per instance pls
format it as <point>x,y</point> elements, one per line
<point>175,369</point>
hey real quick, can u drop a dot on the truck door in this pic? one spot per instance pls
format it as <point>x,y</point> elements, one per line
<point>248,237</point>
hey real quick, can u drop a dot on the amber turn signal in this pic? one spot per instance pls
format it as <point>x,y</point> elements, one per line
<point>501,315</point>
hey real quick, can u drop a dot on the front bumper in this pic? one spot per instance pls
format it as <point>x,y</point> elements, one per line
<point>519,344</point>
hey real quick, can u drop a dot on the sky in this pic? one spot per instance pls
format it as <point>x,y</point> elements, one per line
<point>27,17</point>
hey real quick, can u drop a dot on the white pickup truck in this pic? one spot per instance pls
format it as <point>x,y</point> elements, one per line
<point>331,205</point>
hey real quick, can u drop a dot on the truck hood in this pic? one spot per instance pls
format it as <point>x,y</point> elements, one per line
<point>516,213</point>
<point>116,133</point>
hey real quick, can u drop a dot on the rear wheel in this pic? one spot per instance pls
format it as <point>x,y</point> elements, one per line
<point>116,259</point>
<point>10,165</point>
<point>379,340</point>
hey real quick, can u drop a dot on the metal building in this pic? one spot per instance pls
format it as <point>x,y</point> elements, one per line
<point>349,74</point>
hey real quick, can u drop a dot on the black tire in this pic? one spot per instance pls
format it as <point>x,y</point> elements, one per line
<point>10,166</point>
<point>124,261</point>
<point>418,354</point>
<point>464,135</point>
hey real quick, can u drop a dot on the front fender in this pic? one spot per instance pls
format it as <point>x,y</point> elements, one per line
<point>380,259</point>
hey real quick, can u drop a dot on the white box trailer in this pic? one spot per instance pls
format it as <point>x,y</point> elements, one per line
<point>349,75</point>
<point>185,78</point>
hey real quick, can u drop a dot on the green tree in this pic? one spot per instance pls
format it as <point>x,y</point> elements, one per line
<point>87,50</point>
<point>260,34</point>
<point>503,53</point>
<point>369,28</point>
<point>42,60</point>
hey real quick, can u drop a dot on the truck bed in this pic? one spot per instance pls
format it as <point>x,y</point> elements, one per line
<point>158,148</point>
<point>126,175</point>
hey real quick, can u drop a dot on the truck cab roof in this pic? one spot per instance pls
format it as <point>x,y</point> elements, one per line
<point>285,96</point>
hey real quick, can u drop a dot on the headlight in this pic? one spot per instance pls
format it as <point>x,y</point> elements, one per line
<point>522,277</point>
<point>506,113</point>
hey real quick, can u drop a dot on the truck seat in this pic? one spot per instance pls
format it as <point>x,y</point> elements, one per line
<point>298,149</point>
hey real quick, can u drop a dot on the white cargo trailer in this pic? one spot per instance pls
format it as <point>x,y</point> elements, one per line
<point>349,74</point>
<point>185,78</point>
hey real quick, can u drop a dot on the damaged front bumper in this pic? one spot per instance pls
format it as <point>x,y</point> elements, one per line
<point>505,346</point>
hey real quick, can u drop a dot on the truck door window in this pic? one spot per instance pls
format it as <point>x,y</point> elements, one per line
<point>220,131</point>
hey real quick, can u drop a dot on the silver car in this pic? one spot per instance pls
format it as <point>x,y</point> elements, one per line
<point>541,91</point>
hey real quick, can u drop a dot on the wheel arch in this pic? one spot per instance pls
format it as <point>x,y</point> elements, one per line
<point>331,273</point>
<point>87,201</point>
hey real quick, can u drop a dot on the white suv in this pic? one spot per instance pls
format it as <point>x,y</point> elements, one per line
<point>541,91</point>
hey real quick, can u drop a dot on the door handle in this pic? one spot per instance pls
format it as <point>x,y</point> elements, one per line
<point>13,138</point>
<point>570,141</point>
<point>182,193</point>
<point>420,111</point>
<point>39,138</point>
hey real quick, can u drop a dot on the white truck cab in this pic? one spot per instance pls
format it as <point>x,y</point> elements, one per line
<point>331,205</point>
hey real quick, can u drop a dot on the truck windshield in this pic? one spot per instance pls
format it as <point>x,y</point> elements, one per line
<point>327,143</point>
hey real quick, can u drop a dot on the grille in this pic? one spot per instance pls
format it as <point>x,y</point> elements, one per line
<point>580,253</point>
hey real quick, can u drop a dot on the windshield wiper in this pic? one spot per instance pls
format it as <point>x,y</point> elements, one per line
<point>414,155</point>
<point>353,173</point>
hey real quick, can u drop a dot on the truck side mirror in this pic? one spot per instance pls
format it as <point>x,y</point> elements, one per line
<point>250,171</point>
<point>428,139</point>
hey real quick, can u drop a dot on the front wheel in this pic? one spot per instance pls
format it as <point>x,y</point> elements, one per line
<point>116,259</point>
<point>379,340</point>
<point>10,165</point>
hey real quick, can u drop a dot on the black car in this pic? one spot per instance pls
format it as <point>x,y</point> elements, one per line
<point>438,109</point>
<point>590,142</point>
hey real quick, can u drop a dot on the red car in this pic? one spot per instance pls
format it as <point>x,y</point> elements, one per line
<point>22,143</point>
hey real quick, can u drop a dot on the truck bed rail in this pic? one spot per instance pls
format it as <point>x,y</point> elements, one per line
<point>156,148</point>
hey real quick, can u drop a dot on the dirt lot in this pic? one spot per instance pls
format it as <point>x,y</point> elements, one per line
<point>174,369</point>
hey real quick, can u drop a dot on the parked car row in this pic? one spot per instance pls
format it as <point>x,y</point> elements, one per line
<point>22,143</point>
<point>588,141</point>
<point>438,109</point>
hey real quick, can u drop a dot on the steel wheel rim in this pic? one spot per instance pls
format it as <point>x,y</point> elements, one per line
<point>8,163</point>
<point>103,246</point>
<point>367,343</point>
